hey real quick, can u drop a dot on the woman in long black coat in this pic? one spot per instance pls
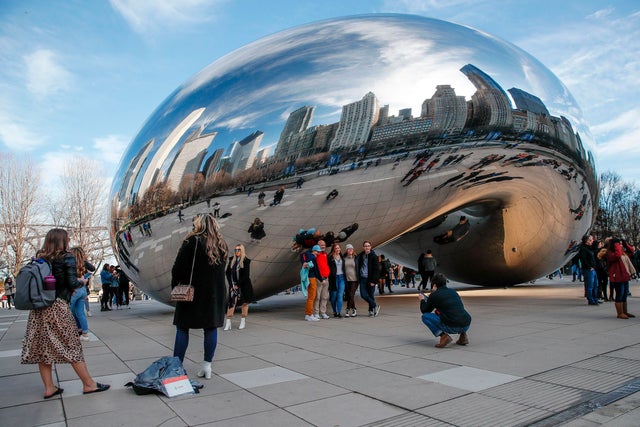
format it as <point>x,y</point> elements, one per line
<point>207,309</point>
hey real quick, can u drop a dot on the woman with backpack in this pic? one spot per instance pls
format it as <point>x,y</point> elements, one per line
<point>51,335</point>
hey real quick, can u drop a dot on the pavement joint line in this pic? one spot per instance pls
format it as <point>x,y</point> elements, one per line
<point>589,406</point>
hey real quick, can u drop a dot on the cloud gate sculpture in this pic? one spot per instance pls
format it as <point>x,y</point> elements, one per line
<point>386,128</point>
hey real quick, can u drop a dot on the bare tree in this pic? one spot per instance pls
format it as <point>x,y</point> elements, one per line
<point>619,209</point>
<point>81,207</point>
<point>19,201</point>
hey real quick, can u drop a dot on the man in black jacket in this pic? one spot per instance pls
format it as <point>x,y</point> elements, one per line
<point>450,316</point>
<point>368,272</point>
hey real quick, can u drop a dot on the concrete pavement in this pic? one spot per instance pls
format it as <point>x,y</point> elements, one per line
<point>538,355</point>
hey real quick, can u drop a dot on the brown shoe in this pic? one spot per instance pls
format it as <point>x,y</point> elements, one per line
<point>445,339</point>
<point>463,339</point>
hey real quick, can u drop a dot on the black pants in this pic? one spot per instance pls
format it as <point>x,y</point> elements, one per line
<point>123,295</point>
<point>105,296</point>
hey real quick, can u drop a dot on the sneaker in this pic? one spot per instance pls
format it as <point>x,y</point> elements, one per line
<point>84,338</point>
<point>376,310</point>
<point>324,316</point>
<point>89,314</point>
<point>346,313</point>
<point>353,312</point>
<point>310,318</point>
<point>371,314</point>
<point>316,317</point>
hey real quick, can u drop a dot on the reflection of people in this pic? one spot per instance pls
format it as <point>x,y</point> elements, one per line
<point>332,194</point>
<point>346,232</point>
<point>240,288</point>
<point>257,230</point>
<point>216,210</point>
<point>51,335</point>
<point>458,232</point>
<point>205,250</point>
<point>261,197</point>
<point>277,197</point>
<point>180,215</point>
<point>450,316</point>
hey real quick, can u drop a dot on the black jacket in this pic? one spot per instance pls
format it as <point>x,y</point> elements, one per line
<point>373,266</point>
<point>66,274</point>
<point>244,279</point>
<point>207,310</point>
<point>333,270</point>
<point>448,303</point>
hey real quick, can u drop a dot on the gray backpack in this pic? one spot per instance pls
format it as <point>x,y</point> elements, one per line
<point>35,286</point>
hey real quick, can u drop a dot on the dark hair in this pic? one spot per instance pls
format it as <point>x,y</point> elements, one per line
<point>440,280</point>
<point>585,238</point>
<point>429,251</point>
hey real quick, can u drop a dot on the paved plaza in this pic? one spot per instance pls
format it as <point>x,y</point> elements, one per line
<point>538,355</point>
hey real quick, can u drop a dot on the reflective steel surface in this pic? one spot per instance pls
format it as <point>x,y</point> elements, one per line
<point>414,122</point>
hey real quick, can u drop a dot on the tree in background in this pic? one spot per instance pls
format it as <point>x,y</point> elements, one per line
<point>20,202</point>
<point>619,210</point>
<point>81,207</point>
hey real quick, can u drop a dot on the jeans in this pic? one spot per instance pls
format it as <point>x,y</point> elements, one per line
<point>622,289</point>
<point>435,325</point>
<point>77,308</point>
<point>590,285</point>
<point>367,292</point>
<point>336,296</point>
<point>182,342</point>
<point>575,272</point>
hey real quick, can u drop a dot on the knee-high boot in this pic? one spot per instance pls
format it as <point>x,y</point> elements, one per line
<point>624,310</point>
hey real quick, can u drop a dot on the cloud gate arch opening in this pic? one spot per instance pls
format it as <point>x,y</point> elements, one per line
<point>414,122</point>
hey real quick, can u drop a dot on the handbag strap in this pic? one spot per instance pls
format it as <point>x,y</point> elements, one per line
<point>193,263</point>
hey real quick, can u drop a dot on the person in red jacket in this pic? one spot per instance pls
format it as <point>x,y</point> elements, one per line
<point>618,277</point>
<point>322,294</point>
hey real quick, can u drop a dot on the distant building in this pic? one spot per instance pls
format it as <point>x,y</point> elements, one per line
<point>189,158</point>
<point>528,102</point>
<point>297,122</point>
<point>355,123</point>
<point>243,153</point>
<point>447,112</point>
<point>490,105</point>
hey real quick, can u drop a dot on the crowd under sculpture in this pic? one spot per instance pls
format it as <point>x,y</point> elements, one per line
<point>414,122</point>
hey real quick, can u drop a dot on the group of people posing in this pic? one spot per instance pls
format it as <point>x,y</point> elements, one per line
<point>609,262</point>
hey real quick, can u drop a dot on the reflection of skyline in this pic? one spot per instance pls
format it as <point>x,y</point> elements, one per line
<point>363,122</point>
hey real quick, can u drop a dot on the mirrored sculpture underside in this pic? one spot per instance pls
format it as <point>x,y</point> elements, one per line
<point>313,109</point>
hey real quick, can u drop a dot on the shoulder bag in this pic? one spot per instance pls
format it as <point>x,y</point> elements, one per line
<point>182,292</point>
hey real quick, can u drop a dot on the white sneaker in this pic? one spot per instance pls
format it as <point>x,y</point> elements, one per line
<point>89,314</point>
<point>346,313</point>
<point>354,313</point>
<point>84,338</point>
<point>310,318</point>
<point>325,316</point>
<point>315,316</point>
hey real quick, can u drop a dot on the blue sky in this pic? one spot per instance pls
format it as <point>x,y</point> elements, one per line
<point>81,77</point>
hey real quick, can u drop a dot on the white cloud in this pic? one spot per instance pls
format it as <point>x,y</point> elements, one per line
<point>45,75</point>
<point>110,149</point>
<point>145,16</point>
<point>621,135</point>
<point>15,133</point>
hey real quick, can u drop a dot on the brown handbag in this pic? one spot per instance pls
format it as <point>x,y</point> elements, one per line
<point>182,292</point>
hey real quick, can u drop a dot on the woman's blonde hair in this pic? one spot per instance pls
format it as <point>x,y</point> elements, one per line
<point>243,254</point>
<point>206,227</point>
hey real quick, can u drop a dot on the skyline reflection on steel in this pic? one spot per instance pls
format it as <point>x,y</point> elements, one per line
<point>353,104</point>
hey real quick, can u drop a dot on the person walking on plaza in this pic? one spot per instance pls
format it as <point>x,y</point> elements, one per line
<point>588,263</point>
<point>240,287</point>
<point>9,290</point>
<point>51,335</point>
<point>261,197</point>
<point>351,278</point>
<point>429,264</point>
<point>205,250</point>
<point>336,279</point>
<point>450,316</point>
<point>368,271</point>
<point>322,283</point>
<point>308,260</point>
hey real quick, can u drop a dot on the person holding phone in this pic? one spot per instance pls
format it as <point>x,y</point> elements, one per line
<point>450,316</point>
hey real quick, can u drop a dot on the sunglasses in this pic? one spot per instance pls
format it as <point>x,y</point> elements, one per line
<point>238,250</point>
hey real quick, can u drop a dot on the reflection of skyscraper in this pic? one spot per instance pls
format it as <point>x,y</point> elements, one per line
<point>188,159</point>
<point>244,152</point>
<point>297,122</point>
<point>447,111</point>
<point>212,164</point>
<point>355,122</point>
<point>490,104</point>
<point>526,101</point>
<point>152,171</point>
<point>133,171</point>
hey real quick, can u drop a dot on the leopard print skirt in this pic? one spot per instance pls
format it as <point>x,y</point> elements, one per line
<point>52,336</point>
